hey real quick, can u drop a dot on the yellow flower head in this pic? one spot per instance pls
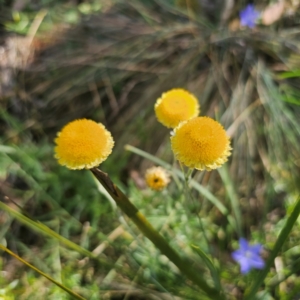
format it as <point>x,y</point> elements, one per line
<point>83,144</point>
<point>175,106</point>
<point>157,178</point>
<point>201,143</point>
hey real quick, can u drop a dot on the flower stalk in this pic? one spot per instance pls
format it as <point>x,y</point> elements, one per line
<point>153,235</point>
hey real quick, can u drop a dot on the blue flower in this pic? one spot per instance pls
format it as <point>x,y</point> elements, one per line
<point>248,256</point>
<point>249,16</point>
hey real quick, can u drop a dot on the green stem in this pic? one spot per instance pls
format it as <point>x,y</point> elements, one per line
<point>280,241</point>
<point>147,229</point>
<point>76,296</point>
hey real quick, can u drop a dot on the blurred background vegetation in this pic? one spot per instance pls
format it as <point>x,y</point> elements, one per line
<point>110,60</point>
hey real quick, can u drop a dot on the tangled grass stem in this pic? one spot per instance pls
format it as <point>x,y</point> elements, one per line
<point>147,229</point>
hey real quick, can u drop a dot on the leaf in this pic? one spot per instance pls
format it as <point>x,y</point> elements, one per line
<point>73,294</point>
<point>273,13</point>
<point>290,74</point>
<point>213,271</point>
<point>7,149</point>
<point>291,99</point>
<point>264,295</point>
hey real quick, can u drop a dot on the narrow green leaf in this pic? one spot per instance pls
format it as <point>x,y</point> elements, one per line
<point>41,228</point>
<point>7,149</point>
<point>291,99</point>
<point>292,74</point>
<point>213,271</point>
<point>73,294</point>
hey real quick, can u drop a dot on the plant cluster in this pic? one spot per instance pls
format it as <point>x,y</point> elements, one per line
<point>208,209</point>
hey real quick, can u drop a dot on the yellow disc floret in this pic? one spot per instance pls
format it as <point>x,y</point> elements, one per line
<point>175,106</point>
<point>201,143</point>
<point>83,144</point>
<point>157,178</point>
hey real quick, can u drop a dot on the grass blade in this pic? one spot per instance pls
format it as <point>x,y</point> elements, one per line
<point>224,173</point>
<point>41,228</point>
<point>73,294</point>
<point>210,265</point>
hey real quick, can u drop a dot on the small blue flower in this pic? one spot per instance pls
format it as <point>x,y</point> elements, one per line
<point>249,16</point>
<point>248,256</point>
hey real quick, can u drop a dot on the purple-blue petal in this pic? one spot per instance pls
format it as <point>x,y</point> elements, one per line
<point>248,256</point>
<point>238,255</point>
<point>245,266</point>
<point>257,262</point>
<point>244,246</point>
<point>249,15</point>
<point>256,248</point>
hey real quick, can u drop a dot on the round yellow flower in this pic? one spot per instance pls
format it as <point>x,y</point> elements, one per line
<point>175,106</point>
<point>157,178</point>
<point>201,143</point>
<point>83,144</point>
